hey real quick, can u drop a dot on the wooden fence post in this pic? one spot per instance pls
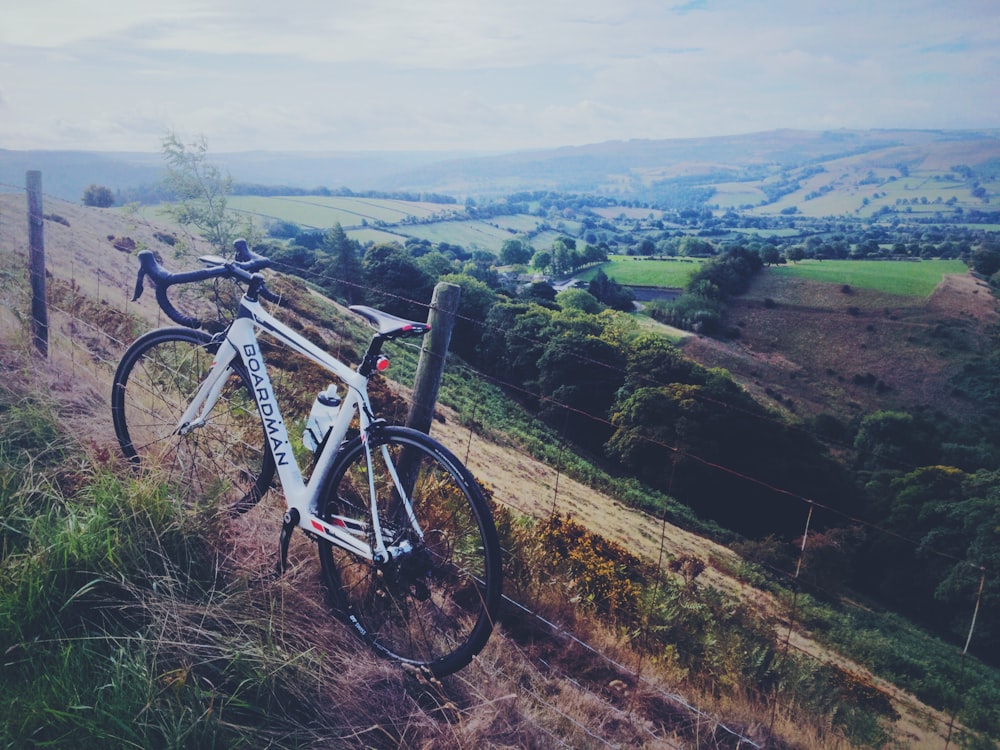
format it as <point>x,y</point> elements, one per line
<point>430,368</point>
<point>36,249</point>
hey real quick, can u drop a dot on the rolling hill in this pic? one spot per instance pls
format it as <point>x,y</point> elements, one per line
<point>818,173</point>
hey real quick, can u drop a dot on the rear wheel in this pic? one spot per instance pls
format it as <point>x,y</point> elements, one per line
<point>156,379</point>
<point>434,602</point>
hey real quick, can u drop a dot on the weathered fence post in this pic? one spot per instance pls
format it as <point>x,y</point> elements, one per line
<point>430,368</point>
<point>36,249</point>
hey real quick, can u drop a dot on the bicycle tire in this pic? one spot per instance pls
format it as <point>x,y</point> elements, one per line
<point>227,459</point>
<point>433,609</point>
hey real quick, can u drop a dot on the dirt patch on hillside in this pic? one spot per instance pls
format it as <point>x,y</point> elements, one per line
<point>964,295</point>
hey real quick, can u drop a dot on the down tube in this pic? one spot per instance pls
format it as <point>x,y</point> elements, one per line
<point>242,338</point>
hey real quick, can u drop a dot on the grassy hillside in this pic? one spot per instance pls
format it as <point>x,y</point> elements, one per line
<point>161,625</point>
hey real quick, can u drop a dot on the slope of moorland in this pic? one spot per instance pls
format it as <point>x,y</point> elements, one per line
<point>533,687</point>
<point>815,348</point>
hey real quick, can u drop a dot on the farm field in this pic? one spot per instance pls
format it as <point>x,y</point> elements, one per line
<point>470,234</point>
<point>321,212</point>
<point>668,272</point>
<point>904,278</point>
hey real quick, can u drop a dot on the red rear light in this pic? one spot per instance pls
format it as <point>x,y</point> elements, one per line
<point>382,364</point>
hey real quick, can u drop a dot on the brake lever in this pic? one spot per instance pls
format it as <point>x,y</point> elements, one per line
<point>138,285</point>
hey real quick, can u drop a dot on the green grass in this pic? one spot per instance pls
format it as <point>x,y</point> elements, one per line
<point>468,234</point>
<point>668,272</point>
<point>323,211</point>
<point>904,278</point>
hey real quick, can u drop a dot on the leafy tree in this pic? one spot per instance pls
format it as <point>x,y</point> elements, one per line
<point>955,518</point>
<point>494,349</point>
<point>98,196</point>
<point>541,260</point>
<point>390,270</point>
<point>201,189</point>
<point>482,265</point>
<point>796,253</point>
<point>564,255</point>
<point>610,292</point>
<point>986,260</point>
<point>282,229</point>
<point>653,361</point>
<point>695,248</point>
<point>580,371</point>
<point>595,254</point>
<point>651,425</point>
<point>436,264</point>
<point>515,252</point>
<point>895,440</point>
<point>344,274</point>
<point>474,305</point>
<point>539,291</point>
<point>298,259</point>
<point>578,299</point>
<point>770,255</point>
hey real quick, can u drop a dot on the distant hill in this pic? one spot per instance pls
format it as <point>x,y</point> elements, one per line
<point>780,168</point>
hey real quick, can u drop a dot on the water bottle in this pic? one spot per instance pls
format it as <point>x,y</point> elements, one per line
<point>324,411</point>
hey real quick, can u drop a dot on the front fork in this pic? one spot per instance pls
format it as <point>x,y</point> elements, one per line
<point>380,553</point>
<point>208,394</point>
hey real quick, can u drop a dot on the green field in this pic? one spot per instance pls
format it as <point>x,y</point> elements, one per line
<point>905,278</point>
<point>321,212</point>
<point>470,234</point>
<point>668,272</point>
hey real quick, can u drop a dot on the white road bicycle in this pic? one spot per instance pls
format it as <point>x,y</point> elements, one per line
<point>407,544</point>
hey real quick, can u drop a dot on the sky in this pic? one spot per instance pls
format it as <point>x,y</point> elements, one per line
<point>484,75</point>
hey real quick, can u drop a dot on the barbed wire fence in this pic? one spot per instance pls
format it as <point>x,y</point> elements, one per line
<point>93,345</point>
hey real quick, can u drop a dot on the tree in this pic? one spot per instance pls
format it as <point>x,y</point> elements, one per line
<point>895,440</point>
<point>610,292</point>
<point>515,252</point>
<point>344,273</point>
<point>539,291</point>
<point>98,196</point>
<point>541,260</point>
<point>564,255</point>
<point>200,189</point>
<point>481,265</point>
<point>770,255</point>
<point>580,371</point>
<point>474,304</point>
<point>796,253</point>
<point>595,254</point>
<point>407,289</point>
<point>578,299</point>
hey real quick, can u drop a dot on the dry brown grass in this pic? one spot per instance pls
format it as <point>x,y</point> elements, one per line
<point>811,348</point>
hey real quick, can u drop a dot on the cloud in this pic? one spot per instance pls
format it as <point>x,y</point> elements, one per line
<point>485,75</point>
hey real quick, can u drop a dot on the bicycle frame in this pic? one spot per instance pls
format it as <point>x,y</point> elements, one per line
<point>241,343</point>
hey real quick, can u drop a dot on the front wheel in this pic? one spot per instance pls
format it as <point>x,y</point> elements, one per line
<point>434,602</point>
<point>225,459</point>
